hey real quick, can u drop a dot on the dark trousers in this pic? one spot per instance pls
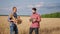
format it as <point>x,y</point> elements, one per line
<point>35,29</point>
<point>13,28</point>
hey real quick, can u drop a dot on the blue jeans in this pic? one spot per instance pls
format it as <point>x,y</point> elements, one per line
<point>13,28</point>
<point>35,29</point>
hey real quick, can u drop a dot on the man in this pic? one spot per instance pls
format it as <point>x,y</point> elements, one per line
<point>35,19</point>
<point>13,26</point>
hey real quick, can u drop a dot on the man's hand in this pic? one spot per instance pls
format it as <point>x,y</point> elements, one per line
<point>11,20</point>
<point>32,20</point>
<point>18,21</point>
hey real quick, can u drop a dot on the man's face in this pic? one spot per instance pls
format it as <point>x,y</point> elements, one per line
<point>33,11</point>
<point>15,9</point>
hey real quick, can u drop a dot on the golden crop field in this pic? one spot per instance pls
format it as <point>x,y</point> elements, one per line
<point>47,25</point>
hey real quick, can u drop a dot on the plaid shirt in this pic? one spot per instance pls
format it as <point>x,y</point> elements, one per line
<point>38,19</point>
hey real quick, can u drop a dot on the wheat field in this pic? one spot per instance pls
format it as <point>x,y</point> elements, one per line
<point>47,25</point>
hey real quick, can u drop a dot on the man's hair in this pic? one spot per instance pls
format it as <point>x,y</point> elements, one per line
<point>34,9</point>
<point>14,7</point>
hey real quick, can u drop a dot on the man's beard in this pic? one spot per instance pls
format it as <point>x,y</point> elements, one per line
<point>34,12</point>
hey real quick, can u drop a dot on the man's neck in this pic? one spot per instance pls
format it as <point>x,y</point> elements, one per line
<point>34,13</point>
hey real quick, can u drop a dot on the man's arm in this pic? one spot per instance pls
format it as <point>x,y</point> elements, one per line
<point>10,15</point>
<point>39,18</point>
<point>10,20</point>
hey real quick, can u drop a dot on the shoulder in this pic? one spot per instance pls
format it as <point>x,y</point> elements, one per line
<point>38,15</point>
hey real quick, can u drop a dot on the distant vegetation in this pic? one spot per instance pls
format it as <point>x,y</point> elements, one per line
<point>52,15</point>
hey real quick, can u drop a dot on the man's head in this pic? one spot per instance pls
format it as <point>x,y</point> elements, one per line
<point>14,9</point>
<point>34,10</point>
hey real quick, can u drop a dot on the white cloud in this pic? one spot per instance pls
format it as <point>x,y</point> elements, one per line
<point>5,8</point>
<point>30,6</point>
<point>39,4</point>
<point>52,4</point>
<point>36,5</point>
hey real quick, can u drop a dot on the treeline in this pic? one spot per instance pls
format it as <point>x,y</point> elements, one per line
<point>52,15</point>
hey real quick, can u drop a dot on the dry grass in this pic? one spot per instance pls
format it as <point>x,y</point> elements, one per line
<point>47,25</point>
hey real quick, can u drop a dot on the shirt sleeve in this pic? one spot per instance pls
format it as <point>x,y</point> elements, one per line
<point>39,18</point>
<point>9,17</point>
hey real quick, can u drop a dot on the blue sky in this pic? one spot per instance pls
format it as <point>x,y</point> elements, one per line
<point>24,6</point>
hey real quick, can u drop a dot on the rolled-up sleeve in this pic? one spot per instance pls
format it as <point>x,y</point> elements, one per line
<point>39,18</point>
<point>9,17</point>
